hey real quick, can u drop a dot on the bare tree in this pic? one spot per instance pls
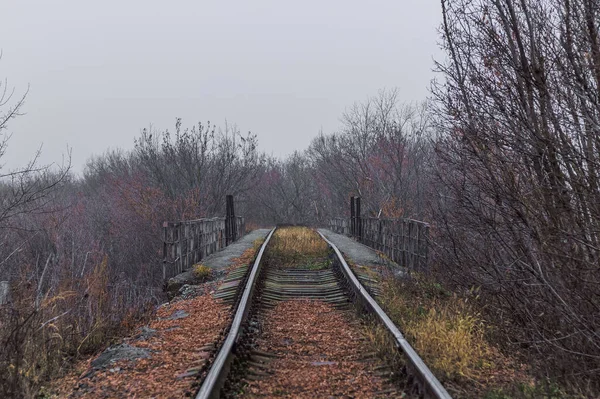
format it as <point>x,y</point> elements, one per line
<point>518,214</point>
<point>203,159</point>
<point>287,192</point>
<point>28,189</point>
<point>380,154</point>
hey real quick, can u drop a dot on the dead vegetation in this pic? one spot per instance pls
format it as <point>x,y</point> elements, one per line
<point>202,272</point>
<point>40,336</point>
<point>455,339</point>
<point>298,246</point>
<point>319,352</point>
<point>180,338</point>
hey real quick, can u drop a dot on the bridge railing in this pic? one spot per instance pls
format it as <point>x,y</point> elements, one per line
<point>405,241</point>
<point>187,242</point>
<point>340,226</point>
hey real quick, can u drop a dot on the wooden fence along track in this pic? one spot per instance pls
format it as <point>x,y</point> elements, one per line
<point>405,241</point>
<point>263,287</point>
<point>188,242</point>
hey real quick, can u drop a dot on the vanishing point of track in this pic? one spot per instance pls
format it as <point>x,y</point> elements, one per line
<point>339,286</point>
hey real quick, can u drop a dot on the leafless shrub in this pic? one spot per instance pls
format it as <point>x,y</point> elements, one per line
<point>380,153</point>
<point>82,256</point>
<point>517,212</point>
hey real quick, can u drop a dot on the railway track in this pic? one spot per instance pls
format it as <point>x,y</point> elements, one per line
<point>304,302</point>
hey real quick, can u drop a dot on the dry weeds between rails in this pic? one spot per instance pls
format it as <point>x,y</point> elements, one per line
<point>294,246</point>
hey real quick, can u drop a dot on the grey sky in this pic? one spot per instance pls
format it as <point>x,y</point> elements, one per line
<point>100,71</point>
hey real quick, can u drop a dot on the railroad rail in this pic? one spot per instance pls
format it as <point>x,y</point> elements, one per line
<point>336,285</point>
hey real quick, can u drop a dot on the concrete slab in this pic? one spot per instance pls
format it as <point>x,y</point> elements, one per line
<point>360,254</point>
<point>222,259</point>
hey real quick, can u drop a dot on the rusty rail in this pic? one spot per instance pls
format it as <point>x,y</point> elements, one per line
<point>211,385</point>
<point>429,386</point>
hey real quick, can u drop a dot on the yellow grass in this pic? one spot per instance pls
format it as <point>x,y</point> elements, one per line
<point>201,272</point>
<point>449,333</point>
<point>453,340</point>
<point>442,329</point>
<point>297,245</point>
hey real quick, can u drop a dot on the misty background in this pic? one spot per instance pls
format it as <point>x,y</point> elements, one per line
<point>100,72</point>
<point>502,163</point>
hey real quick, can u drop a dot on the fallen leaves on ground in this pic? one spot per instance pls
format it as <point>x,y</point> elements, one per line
<point>320,354</point>
<point>175,347</point>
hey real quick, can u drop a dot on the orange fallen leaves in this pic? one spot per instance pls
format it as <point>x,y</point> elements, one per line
<point>175,347</point>
<point>321,354</point>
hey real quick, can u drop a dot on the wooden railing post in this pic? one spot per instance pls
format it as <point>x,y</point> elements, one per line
<point>233,220</point>
<point>165,250</point>
<point>425,247</point>
<point>179,263</point>
<point>230,221</point>
<point>352,217</point>
<point>358,226</point>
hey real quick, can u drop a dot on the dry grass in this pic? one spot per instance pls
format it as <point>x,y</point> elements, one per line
<point>299,240</point>
<point>202,272</point>
<point>450,335</point>
<point>453,339</point>
<point>256,244</point>
<point>293,246</point>
<point>41,342</point>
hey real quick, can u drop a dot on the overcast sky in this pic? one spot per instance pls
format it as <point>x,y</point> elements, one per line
<point>100,71</point>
